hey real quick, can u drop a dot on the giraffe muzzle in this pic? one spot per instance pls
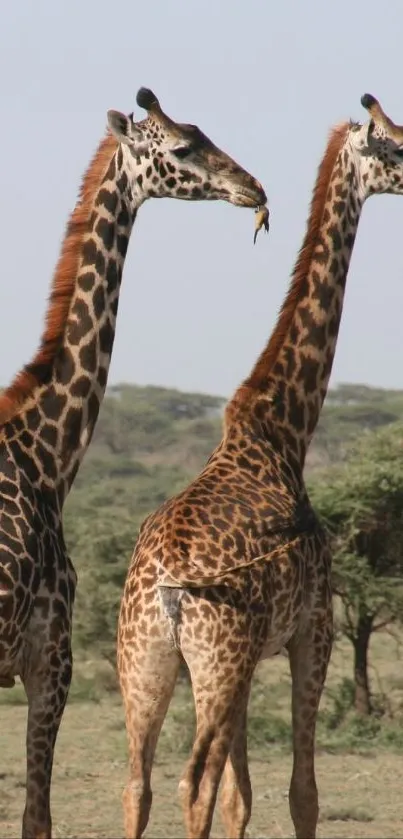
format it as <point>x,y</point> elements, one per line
<point>253,198</point>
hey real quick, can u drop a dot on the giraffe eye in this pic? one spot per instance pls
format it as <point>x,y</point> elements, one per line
<point>181,152</point>
<point>399,152</point>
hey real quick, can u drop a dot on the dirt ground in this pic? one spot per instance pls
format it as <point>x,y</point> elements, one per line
<point>359,796</point>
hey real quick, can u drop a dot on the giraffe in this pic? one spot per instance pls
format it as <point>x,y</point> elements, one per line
<point>236,566</point>
<point>48,413</point>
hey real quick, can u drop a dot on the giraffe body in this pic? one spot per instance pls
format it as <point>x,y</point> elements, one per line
<point>237,566</point>
<point>48,413</point>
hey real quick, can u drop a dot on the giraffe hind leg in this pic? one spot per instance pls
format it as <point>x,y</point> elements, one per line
<point>309,655</point>
<point>236,792</point>
<point>147,680</point>
<point>218,702</point>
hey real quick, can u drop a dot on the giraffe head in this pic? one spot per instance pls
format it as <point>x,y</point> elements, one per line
<point>163,158</point>
<point>379,144</point>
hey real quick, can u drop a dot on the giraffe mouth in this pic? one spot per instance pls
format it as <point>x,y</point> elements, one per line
<point>251,198</point>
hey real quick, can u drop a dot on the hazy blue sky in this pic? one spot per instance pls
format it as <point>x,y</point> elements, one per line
<point>265,80</point>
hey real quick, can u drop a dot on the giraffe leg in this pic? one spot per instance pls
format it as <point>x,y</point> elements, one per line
<point>309,655</point>
<point>147,680</point>
<point>217,712</point>
<point>236,794</point>
<point>47,687</point>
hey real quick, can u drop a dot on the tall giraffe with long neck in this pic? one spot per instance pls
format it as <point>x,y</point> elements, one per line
<point>236,566</point>
<point>48,413</point>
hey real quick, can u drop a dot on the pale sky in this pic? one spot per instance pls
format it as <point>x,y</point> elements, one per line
<point>265,79</point>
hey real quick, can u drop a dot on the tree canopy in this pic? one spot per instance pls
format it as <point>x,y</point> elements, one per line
<point>361,505</point>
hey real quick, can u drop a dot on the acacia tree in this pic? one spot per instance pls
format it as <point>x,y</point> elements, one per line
<point>361,505</point>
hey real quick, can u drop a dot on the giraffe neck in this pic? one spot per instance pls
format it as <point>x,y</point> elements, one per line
<point>283,395</point>
<point>63,387</point>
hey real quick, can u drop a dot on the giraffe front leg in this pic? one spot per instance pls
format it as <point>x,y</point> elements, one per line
<point>47,685</point>
<point>309,654</point>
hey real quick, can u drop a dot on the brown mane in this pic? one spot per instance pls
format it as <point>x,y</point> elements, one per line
<point>257,380</point>
<point>62,288</point>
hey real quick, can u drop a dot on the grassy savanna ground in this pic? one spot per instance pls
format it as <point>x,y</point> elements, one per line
<point>359,767</point>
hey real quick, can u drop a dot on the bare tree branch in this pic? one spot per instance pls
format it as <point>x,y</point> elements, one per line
<point>381,625</point>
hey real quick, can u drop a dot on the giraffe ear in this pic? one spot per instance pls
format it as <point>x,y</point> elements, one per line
<point>121,126</point>
<point>128,132</point>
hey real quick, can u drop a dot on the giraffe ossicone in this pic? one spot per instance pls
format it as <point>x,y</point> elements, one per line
<point>49,411</point>
<point>249,561</point>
